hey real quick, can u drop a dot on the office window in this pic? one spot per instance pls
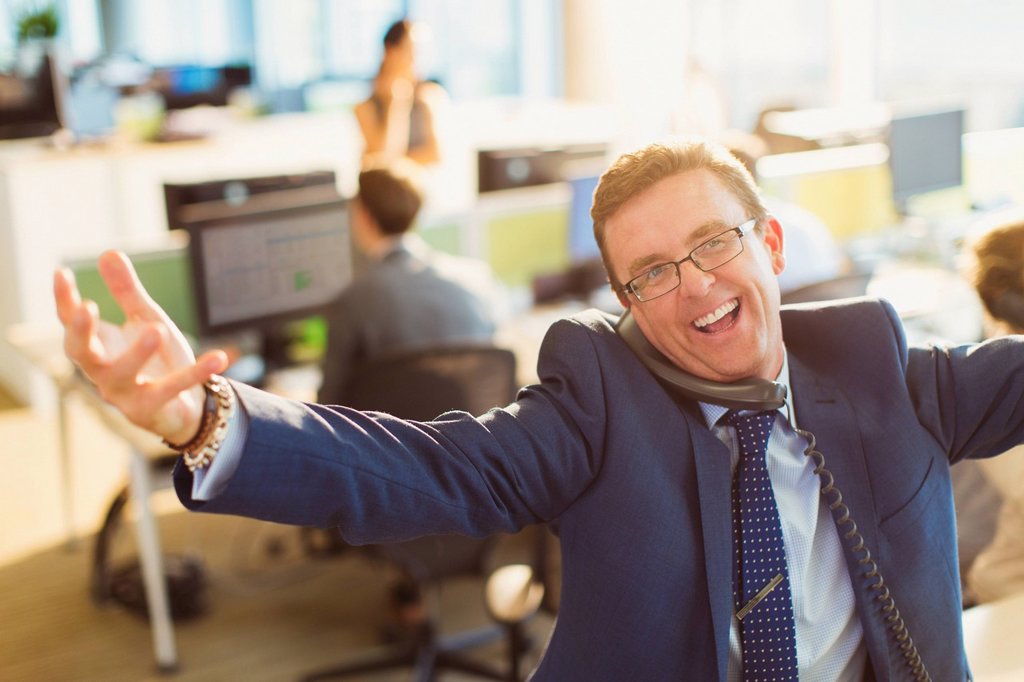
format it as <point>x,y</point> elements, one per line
<point>162,32</point>
<point>475,45</point>
<point>288,42</point>
<point>476,49</point>
<point>354,33</point>
<point>479,49</point>
<point>954,51</point>
<point>763,54</point>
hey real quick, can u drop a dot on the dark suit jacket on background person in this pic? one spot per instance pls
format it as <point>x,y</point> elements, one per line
<point>638,488</point>
<point>413,297</point>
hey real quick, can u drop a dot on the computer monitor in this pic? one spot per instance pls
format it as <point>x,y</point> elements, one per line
<point>510,168</point>
<point>31,89</point>
<point>183,199</point>
<point>261,269</point>
<point>188,85</point>
<point>925,153</point>
<point>582,245</point>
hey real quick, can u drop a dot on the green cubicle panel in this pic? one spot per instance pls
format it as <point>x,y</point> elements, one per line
<point>165,273</point>
<point>443,237</point>
<point>524,245</point>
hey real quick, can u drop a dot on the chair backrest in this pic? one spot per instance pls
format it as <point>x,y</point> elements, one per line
<point>422,384</point>
<point>846,286</point>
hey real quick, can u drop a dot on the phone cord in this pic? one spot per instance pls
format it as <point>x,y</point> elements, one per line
<point>848,528</point>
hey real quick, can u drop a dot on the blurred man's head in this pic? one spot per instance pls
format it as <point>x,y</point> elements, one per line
<point>997,273</point>
<point>387,204</point>
<point>719,318</point>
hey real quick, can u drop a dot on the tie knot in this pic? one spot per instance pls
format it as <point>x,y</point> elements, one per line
<point>752,431</point>
<point>756,420</point>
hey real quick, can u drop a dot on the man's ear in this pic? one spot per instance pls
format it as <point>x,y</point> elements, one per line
<point>773,240</point>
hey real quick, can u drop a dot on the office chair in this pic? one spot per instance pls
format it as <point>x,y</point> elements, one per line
<point>420,385</point>
<point>845,286</point>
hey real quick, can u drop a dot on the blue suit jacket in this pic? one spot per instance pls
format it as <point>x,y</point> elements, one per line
<point>638,488</point>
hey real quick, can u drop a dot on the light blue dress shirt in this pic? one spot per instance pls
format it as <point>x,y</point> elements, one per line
<point>829,636</point>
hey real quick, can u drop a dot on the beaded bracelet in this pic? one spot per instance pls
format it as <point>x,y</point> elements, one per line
<point>200,451</point>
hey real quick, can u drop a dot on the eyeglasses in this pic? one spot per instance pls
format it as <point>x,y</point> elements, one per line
<point>713,253</point>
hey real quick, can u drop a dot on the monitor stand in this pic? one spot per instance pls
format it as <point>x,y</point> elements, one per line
<point>275,347</point>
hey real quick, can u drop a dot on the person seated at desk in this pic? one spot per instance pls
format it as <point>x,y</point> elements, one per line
<point>400,118</point>
<point>409,295</point>
<point>698,541</point>
<point>997,273</point>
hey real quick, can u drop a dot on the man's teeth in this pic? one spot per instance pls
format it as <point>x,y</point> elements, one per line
<point>718,314</point>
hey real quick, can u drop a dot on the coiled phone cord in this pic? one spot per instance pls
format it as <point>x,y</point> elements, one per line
<point>894,620</point>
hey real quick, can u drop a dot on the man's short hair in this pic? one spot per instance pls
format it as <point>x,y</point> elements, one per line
<point>391,195</point>
<point>997,270</point>
<point>635,172</point>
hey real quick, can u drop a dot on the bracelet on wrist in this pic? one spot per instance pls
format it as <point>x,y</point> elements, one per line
<point>200,451</point>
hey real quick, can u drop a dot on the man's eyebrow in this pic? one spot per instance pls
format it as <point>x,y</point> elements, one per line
<point>707,230</point>
<point>702,233</point>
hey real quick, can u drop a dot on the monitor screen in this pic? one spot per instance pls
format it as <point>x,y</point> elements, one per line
<point>925,153</point>
<point>189,85</point>
<point>582,245</point>
<point>261,269</point>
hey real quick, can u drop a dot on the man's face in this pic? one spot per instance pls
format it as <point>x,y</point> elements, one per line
<point>721,325</point>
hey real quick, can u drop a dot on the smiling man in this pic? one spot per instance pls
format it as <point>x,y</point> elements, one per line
<point>697,542</point>
<point>724,323</point>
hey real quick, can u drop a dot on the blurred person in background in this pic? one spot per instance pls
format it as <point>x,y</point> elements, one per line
<point>997,272</point>
<point>409,295</point>
<point>401,116</point>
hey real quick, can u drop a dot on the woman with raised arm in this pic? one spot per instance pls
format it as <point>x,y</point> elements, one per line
<point>400,118</point>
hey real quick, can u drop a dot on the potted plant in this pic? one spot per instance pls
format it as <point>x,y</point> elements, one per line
<point>38,23</point>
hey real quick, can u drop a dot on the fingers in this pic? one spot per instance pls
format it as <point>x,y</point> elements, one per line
<point>119,274</point>
<point>80,343</point>
<point>170,386</point>
<point>65,293</point>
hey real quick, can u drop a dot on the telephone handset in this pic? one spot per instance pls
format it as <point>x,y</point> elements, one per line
<point>761,394</point>
<point>746,394</point>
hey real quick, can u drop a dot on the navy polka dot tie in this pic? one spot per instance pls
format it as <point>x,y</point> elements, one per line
<point>761,589</point>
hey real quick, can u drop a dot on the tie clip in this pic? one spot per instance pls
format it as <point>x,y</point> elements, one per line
<point>759,597</point>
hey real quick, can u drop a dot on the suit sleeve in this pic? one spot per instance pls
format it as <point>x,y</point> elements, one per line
<point>382,479</point>
<point>971,397</point>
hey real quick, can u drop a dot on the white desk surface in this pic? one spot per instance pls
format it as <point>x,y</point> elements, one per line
<point>992,635</point>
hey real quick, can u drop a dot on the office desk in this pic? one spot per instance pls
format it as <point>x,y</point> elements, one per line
<point>991,633</point>
<point>43,348</point>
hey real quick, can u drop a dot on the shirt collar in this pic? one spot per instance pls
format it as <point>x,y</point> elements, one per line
<point>712,413</point>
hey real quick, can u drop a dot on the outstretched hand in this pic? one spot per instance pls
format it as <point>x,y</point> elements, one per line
<point>144,367</point>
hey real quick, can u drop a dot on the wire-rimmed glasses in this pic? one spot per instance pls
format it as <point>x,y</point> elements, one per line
<point>708,255</point>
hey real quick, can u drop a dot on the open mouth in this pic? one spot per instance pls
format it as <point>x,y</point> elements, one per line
<point>719,319</point>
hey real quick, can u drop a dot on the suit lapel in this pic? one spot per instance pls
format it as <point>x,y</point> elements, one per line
<point>714,476</point>
<point>827,413</point>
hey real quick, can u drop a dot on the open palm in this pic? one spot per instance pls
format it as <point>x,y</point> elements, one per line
<point>143,367</point>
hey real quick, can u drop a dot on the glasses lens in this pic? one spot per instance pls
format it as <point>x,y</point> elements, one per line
<point>718,250</point>
<point>657,281</point>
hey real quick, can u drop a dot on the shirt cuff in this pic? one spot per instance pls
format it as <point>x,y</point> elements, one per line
<point>210,482</point>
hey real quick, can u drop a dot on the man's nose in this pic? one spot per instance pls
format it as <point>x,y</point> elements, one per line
<point>693,281</point>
